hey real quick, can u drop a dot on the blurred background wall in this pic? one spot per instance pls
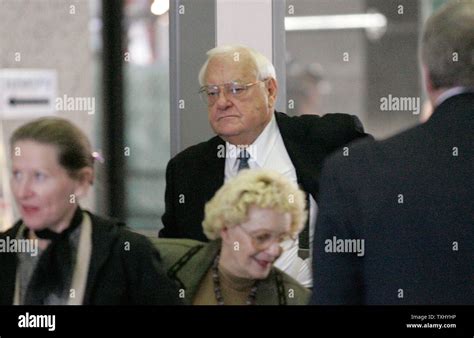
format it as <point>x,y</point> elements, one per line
<point>55,36</point>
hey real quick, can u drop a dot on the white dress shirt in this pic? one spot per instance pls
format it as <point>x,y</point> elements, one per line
<point>269,152</point>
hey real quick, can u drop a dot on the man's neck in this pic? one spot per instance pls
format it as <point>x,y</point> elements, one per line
<point>240,141</point>
<point>247,139</point>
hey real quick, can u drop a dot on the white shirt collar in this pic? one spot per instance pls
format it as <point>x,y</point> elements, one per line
<point>452,92</point>
<point>259,149</point>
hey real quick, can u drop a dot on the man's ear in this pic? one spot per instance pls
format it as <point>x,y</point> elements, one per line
<point>272,89</point>
<point>427,80</point>
<point>433,93</point>
<point>85,178</point>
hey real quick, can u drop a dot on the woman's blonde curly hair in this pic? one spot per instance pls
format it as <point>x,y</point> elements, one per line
<point>261,188</point>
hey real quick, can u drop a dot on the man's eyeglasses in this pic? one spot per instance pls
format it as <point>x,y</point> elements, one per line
<point>210,94</point>
<point>264,240</point>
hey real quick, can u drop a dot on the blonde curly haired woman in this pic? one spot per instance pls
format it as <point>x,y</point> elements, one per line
<point>250,221</point>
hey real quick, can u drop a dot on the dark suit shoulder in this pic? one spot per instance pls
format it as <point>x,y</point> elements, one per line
<point>204,148</point>
<point>338,128</point>
<point>423,141</point>
<point>332,130</point>
<point>401,155</point>
<point>402,145</point>
<point>337,120</point>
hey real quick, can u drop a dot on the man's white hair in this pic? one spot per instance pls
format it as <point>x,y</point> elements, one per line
<point>265,68</point>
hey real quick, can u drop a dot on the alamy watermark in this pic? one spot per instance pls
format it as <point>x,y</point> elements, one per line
<point>68,103</point>
<point>37,321</point>
<point>402,103</point>
<point>15,245</point>
<point>235,151</point>
<point>337,245</point>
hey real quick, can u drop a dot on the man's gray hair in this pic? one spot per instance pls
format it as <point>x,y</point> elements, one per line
<point>264,67</point>
<point>447,47</point>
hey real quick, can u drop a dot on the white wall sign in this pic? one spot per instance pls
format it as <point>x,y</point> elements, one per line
<point>6,210</point>
<point>27,93</point>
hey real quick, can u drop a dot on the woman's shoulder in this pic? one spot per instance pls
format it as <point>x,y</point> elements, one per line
<point>175,246</point>
<point>173,250</point>
<point>12,231</point>
<point>103,222</point>
<point>108,232</point>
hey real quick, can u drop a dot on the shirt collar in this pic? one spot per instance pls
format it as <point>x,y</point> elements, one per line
<point>452,92</point>
<point>260,148</point>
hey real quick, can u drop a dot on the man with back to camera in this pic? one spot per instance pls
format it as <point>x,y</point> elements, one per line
<point>239,87</point>
<point>408,201</point>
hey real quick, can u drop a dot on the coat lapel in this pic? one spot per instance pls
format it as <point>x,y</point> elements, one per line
<point>190,274</point>
<point>301,155</point>
<point>103,236</point>
<point>214,161</point>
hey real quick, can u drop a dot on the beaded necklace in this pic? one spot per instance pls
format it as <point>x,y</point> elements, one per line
<point>217,286</point>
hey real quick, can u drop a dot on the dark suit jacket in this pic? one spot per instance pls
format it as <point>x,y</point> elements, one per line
<point>195,174</point>
<point>116,276</point>
<point>411,199</point>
